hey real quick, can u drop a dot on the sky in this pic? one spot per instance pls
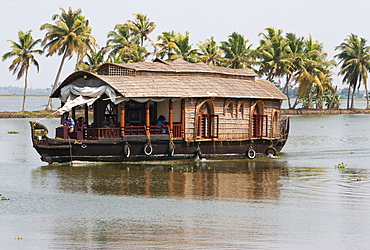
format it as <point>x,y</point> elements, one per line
<point>328,21</point>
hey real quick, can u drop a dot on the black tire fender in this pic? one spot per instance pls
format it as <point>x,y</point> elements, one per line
<point>198,153</point>
<point>126,150</point>
<point>148,149</point>
<point>251,153</point>
<point>171,150</point>
<point>270,150</point>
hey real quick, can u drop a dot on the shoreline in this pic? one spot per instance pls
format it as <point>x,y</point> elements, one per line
<point>53,114</point>
<point>30,114</point>
<point>323,111</point>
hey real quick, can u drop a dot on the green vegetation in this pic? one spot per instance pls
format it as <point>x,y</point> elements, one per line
<point>3,197</point>
<point>340,166</point>
<point>299,66</point>
<point>70,34</point>
<point>354,57</point>
<point>23,52</point>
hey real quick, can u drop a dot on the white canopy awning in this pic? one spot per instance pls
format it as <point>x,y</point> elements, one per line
<point>84,92</point>
<point>88,91</point>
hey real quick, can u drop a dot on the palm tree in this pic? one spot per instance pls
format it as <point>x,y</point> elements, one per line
<point>175,45</point>
<point>138,54</point>
<point>123,46</point>
<point>70,34</point>
<point>295,54</point>
<point>210,52</point>
<point>94,60</point>
<point>167,44</point>
<point>314,71</point>
<point>141,27</point>
<point>272,54</point>
<point>183,48</point>
<point>355,59</point>
<point>23,53</point>
<point>236,52</point>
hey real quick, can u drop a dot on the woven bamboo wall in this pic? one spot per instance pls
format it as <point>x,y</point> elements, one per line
<point>232,126</point>
<point>234,123</point>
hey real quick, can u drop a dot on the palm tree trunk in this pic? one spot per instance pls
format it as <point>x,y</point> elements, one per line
<point>353,96</point>
<point>48,107</point>
<point>287,95</point>
<point>270,76</point>
<point>348,95</point>
<point>295,103</point>
<point>367,94</point>
<point>330,106</point>
<point>25,90</point>
<point>286,89</point>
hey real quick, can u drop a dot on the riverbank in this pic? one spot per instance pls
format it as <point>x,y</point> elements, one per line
<point>30,114</point>
<point>323,111</point>
<point>54,114</point>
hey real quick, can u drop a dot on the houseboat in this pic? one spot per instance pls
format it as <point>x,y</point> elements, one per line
<point>209,111</point>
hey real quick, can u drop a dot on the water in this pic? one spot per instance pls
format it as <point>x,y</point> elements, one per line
<point>33,103</point>
<point>303,199</point>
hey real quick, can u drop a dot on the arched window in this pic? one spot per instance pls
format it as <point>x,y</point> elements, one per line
<point>240,110</point>
<point>229,109</point>
<point>206,122</point>
<point>259,120</point>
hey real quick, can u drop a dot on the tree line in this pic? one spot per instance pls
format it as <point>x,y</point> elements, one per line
<point>285,59</point>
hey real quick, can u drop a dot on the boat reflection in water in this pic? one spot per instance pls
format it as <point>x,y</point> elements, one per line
<point>244,179</point>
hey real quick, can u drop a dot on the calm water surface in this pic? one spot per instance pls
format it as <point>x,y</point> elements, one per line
<point>299,200</point>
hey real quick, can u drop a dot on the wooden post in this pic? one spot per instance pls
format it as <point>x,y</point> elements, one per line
<point>147,115</point>
<point>170,119</point>
<point>86,115</point>
<point>62,115</point>
<point>123,119</point>
<point>183,118</point>
<point>74,113</point>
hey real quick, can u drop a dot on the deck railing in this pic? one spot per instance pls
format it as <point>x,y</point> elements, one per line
<point>134,130</point>
<point>98,133</point>
<point>176,131</point>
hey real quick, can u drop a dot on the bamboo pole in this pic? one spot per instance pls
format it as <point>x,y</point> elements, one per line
<point>122,119</point>
<point>147,115</point>
<point>170,121</point>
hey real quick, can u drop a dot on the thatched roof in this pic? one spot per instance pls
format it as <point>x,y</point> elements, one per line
<point>200,80</point>
<point>178,66</point>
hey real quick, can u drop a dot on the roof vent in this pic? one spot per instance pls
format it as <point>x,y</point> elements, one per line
<point>114,70</point>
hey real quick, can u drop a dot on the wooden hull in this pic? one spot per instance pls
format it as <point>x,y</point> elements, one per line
<point>137,148</point>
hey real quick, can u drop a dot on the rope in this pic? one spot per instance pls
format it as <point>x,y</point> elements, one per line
<point>171,137</point>
<point>70,149</point>
<point>47,115</point>
<point>147,134</point>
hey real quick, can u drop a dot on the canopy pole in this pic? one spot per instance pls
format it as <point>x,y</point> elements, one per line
<point>170,119</point>
<point>183,118</point>
<point>122,118</point>
<point>147,115</point>
<point>86,114</point>
<point>74,113</point>
<point>61,116</point>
